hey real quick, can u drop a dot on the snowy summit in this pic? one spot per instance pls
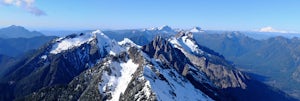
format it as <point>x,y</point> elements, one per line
<point>196,30</point>
<point>271,29</point>
<point>72,41</point>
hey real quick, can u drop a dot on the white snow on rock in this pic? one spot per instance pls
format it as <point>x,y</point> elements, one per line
<point>117,81</point>
<point>44,57</point>
<point>69,43</point>
<point>104,43</point>
<point>171,86</point>
<point>196,30</point>
<point>186,44</point>
<point>162,29</point>
<point>128,43</point>
<point>145,91</point>
<point>271,29</point>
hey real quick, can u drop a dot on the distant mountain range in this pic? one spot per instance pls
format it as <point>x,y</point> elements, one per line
<point>266,35</point>
<point>16,42</point>
<point>276,59</point>
<point>18,32</point>
<point>141,36</point>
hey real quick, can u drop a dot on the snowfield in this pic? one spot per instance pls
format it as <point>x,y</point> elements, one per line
<point>171,86</point>
<point>105,44</point>
<point>65,44</point>
<point>117,82</point>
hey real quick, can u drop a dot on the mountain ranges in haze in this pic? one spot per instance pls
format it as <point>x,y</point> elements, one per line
<point>276,59</point>
<point>14,31</point>
<point>16,42</point>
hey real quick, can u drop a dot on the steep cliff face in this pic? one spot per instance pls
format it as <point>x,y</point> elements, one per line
<point>208,61</point>
<point>206,70</point>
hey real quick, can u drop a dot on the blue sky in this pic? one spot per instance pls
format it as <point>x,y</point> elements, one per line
<point>123,14</point>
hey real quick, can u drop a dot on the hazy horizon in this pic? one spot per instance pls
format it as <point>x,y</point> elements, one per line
<point>210,15</point>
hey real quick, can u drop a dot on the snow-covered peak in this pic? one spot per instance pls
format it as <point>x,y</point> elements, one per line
<point>271,29</point>
<point>185,42</point>
<point>105,44</point>
<point>128,43</point>
<point>125,41</point>
<point>165,28</point>
<point>97,32</point>
<point>196,30</point>
<point>70,42</point>
<point>162,29</point>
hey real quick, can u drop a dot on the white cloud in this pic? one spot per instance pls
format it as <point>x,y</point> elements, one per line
<point>25,4</point>
<point>271,29</point>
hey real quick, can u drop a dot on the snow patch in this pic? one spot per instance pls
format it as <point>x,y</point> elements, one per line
<point>97,31</point>
<point>117,81</point>
<point>69,43</point>
<point>271,29</point>
<point>185,43</point>
<point>125,41</point>
<point>162,29</point>
<point>196,30</point>
<point>145,91</point>
<point>128,43</point>
<point>44,57</point>
<point>171,86</point>
<point>104,43</point>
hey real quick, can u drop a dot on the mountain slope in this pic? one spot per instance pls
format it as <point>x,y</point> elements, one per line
<point>5,61</point>
<point>58,62</point>
<point>16,47</point>
<point>142,85</point>
<point>165,69</point>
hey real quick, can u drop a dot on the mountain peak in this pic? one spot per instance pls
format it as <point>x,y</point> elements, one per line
<point>71,41</point>
<point>271,30</point>
<point>14,31</point>
<point>96,37</point>
<point>15,27</point>
<point>162,29</point>
<point>128,43</point>
<point>165,28</point>
<point>97,31</point>
<point>196,30</point>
